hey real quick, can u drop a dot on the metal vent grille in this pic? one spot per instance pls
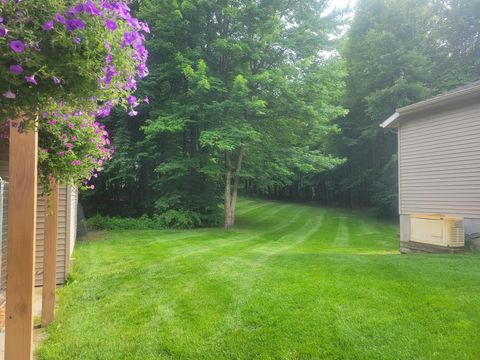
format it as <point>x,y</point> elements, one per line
<point>457,236</point>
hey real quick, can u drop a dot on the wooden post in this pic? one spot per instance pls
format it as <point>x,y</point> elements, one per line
<point>50,255</point>
<point>22,211</point>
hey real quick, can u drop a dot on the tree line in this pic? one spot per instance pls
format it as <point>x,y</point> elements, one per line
<point>270,98</point>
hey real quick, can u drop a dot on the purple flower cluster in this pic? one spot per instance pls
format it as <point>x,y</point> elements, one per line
<point>116,81</point>
<point>112,12</point>
<point>79,131</point>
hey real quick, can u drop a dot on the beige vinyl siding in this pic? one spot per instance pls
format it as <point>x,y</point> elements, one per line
<point>440,163</point>
<point>66,224</point>
<point>3,175</point>
<point>61,236</point>
<point>3,246</point>
<point>3,159</point>
<point>71,224</point>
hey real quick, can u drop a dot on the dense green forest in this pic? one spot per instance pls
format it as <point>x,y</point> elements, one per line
<point>274,98</point>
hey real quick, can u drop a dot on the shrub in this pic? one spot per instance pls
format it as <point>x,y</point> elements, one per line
<point>170,219</point>
<point>99,222</point>
<point>180,219</point>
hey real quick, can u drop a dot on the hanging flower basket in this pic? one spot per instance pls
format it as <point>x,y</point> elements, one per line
<point>64,65</point>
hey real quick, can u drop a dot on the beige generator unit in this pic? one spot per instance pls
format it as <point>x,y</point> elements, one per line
<point>440,230</point>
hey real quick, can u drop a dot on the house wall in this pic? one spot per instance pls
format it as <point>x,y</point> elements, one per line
<point>61,236</point>
<point>71,220</point>
<point>3,246</point>
<point>67,199</point>
<point>3,159</point>
<point>439,167</point>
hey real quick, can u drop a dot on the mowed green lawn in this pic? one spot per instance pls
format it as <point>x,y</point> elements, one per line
<point>290,282</point>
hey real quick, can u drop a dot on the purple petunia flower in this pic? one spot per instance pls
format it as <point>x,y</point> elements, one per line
<point>110,25</point>
<point>131,84</point>
<point>52,122</point>
<point>31,79</point>
<point>134,23</point>
<point>77,9</point>
<point>91,8</point>
<point>105,110</point>
<point>146,100</point>
<point>130,37</point>
<point>9,95</point>
<point>69,145</point>
<point>16,69</point>
<point>60,19</point>
<point>144,27</point>
<point>48,25</point>
<point>133,113</point>
<point>17,45</point>
<point>56,80</point>
<point>132,100</point>
<point>141,51</point>
<point>75,24</point>
<point>3,31</point>
<point>79,24</point>
<point>142,71</point>
<point>77,40</point>
<point>109,72</point>
<point>108,59</point>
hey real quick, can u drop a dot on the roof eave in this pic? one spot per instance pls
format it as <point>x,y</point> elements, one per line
<point>440,100</point>
<point>449,98</point>
<point>391,122</point>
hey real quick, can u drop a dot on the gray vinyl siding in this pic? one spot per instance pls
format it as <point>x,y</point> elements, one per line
<point>66,227</point>
<point>4,176</point>
<point>439,167</point>
<point>3,160</point>
<point>61,236</point>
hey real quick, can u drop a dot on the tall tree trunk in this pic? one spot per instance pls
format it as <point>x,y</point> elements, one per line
<point>228,190</point>
<point>231,190</point>
<point>236,182</point>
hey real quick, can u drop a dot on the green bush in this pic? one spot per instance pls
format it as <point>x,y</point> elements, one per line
<point>99,222</point>
<point>170,219</point>
<point>180,219</point>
